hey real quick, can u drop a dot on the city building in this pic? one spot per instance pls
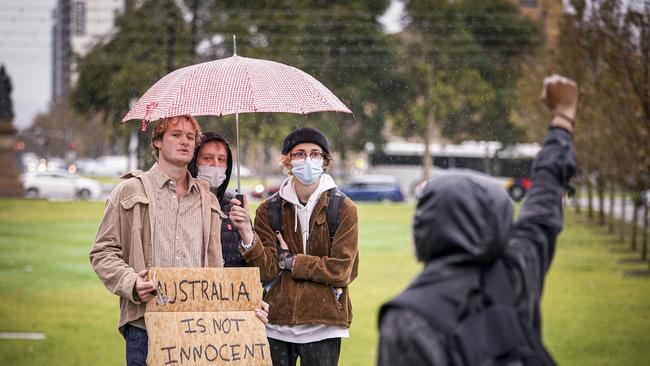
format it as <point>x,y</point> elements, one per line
<point>77,26</point>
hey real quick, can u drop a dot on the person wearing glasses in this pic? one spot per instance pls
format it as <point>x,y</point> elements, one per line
<point>306,273</point>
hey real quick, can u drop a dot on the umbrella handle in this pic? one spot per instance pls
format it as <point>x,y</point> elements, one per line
<point>240,198</point>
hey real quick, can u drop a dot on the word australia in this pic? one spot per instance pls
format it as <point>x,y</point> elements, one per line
<point>204,290</point>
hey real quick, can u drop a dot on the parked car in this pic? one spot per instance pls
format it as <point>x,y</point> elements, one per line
<point>60,185</point>
<point>517,187</point>
<point>108,165</point>
<point>374,188</point>
<point>261,191</point>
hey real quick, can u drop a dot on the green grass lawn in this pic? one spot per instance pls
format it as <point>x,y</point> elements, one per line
<point>592,314</point>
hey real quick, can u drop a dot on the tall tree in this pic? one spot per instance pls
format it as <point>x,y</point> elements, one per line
<point>462,62</point>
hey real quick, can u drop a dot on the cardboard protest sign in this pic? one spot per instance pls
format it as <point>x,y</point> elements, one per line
<point>208,317</point>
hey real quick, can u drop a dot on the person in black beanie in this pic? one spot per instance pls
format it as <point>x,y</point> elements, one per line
<point>305,268</point>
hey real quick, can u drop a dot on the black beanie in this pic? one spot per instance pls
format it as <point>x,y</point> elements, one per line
<point>302,135</point>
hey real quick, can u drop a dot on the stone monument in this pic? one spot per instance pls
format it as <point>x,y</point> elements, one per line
<point>9,183</point>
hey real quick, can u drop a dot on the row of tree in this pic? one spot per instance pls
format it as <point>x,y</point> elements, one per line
<point>451,72</point>
<point>605,46</point>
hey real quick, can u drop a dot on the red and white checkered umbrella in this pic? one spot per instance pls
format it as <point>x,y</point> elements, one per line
<point>234,85</point>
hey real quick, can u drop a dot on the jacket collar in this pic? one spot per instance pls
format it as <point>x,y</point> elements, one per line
<point>159,178</point>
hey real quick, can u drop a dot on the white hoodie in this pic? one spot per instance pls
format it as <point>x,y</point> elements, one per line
<point>310,332</point>
<point>303,213</point>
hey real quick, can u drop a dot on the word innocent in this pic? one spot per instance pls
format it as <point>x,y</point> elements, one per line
<point>213,353</point>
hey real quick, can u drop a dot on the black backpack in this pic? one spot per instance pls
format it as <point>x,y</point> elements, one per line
<point>475,311</point>
<point>334,204</point>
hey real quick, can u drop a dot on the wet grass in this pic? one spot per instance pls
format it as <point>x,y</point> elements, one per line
<point>592,313</point>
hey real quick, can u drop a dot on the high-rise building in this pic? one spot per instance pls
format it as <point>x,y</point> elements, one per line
<point>61,51</point>
<point>78,25</point>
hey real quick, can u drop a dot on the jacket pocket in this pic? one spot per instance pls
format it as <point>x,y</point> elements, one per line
<point>131,201</point>
<point>319,305</point>
<point>281,299</point>
<point>134,207</point>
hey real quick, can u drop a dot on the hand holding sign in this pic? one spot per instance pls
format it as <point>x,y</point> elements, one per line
<point>262,312</point>
<point>144,288</point>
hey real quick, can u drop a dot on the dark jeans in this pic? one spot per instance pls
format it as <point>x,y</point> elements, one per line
<point>321,353</point>
<point>136,345</point>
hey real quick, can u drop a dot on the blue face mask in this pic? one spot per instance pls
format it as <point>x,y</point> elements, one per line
<point>307,171</point>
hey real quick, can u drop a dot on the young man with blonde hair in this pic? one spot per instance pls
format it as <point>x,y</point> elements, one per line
<point>159,218</point>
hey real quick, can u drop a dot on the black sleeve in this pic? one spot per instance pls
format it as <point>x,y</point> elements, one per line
<point>407,339</point>
<point>532,245</point>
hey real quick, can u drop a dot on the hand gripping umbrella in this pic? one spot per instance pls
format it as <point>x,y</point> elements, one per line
<point>234,85</point>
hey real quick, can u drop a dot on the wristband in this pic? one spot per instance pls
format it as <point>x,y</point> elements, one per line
<point>565,117</point>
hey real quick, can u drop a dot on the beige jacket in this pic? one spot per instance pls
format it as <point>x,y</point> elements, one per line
<point>124,243</point>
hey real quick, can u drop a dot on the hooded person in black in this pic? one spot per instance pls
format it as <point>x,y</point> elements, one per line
<point>462,228</point>
<point>210,166</point>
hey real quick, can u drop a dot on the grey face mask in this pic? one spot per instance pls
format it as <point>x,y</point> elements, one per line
<point>214,175</point>
<point>307,171</point>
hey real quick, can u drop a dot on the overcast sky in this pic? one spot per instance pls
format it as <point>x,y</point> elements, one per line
<point>25,27</point>
<point>25,52</point>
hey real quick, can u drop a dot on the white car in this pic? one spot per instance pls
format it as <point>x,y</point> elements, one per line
<point>108,166</point>
<point>60,185</point>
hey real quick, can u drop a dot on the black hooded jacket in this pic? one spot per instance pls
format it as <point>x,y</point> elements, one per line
<point>463,223</point>
<point>229,236</point>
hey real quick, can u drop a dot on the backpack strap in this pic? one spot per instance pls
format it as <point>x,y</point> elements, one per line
<point>333,212</point>
<point>334,204</point>
<point>275,213</point>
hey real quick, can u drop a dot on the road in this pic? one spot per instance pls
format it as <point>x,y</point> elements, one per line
<point>629,208</point>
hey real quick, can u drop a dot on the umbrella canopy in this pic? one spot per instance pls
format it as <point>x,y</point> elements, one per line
<point>234,85</point>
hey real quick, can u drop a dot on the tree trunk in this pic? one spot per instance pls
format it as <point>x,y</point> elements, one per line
<point>194,29</point>
<point>427,161</point>
<point>644,242</point>
<point>600,188</point>
<point>635,218</point>
<point>612,192</point>
<point>621,234</point>
<point>576,198</point>
<point>590,196</point>
<point>266,147</point>
<point>171,35</point>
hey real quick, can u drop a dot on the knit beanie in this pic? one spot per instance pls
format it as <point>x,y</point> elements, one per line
<point>302,135</point>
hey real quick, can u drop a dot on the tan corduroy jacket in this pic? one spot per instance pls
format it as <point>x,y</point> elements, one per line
<point>308,294</point>
<point>124,243</point>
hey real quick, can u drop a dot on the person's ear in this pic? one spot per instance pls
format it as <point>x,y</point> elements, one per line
<point>157,144</point>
